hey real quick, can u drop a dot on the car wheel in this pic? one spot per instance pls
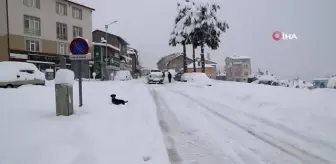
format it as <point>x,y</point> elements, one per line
<point>9,86</point>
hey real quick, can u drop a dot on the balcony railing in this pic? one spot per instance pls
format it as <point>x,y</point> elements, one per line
<point>32,31</point>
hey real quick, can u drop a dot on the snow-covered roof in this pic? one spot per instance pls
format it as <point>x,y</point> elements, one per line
<point>321,79</point>
<point>239,57</point>
<point>197,66</point>
<point>109,45</point>
<point>168,58</point>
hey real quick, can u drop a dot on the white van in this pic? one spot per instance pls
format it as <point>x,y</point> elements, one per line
<point>14,74</point>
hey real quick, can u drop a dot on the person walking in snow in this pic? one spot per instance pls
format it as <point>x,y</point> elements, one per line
<point>169,77</point>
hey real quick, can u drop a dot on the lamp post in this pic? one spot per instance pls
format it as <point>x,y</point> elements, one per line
<point>101,57</point>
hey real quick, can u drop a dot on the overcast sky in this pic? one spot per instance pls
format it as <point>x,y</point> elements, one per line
<point>146,25</point>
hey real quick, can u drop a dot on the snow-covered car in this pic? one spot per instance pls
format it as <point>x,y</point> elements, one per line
<point>15,74</point>
<point>123,75</point>
<point>197,78</point>
<point>155,77</point>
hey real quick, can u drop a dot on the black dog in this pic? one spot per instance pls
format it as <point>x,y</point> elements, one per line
<point>117,101</point>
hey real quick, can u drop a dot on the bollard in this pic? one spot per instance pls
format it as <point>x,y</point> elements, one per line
<point>94,75</point>
<point>64,92</point>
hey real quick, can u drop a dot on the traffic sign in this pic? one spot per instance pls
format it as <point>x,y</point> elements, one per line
<point>80,57</point>
<point>79,49</point>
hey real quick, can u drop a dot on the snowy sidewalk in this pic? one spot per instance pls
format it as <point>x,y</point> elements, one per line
<point>98,133</point>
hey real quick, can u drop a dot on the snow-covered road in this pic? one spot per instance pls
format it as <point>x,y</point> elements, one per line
<point>199,127</point>
<point>227,123</point>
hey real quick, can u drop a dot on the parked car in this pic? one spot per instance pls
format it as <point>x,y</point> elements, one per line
<point>155,77</point>
<point>178,77</point>
<point>196,78</point>
<point>15,74</point>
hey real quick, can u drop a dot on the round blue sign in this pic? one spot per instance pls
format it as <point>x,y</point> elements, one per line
<point>79,46</point>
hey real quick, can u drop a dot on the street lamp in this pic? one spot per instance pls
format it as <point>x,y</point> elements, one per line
<point>101,57</point>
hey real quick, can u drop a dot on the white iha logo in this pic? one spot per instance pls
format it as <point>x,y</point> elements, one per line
<point>277,36</point>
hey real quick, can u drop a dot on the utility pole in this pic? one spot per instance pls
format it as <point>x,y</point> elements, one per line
<point>101,57</point>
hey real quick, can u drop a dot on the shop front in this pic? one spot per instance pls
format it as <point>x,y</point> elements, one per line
<point>43,61</point>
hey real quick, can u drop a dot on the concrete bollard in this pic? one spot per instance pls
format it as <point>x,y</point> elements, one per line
<point>64,92</point>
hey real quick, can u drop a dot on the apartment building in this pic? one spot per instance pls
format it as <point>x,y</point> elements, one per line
<point>238,68</point>
<point>39,31</point>
<point>115,56</point>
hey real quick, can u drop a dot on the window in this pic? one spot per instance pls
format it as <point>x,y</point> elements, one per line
<point>32,3</point>
<point>62,31</point>
<point>61,8</point>
<point>246,73</point>
<point>32,25</point>
<point>245,66</point>
<point>77,31</point>
<point>62,48</point>
<point>32,45</point>
<point>77,13</point>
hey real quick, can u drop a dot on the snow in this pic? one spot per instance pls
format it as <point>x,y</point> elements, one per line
<point>197,78</point>
<point>267,78</point>
<point>49,70</point>
<point>238,123</point>
<point>239,57</point>
<point>200,66</point>
<point>193,10</point>
<point>64,76</point>
<point>123,75</point>
<point>98,132</point>
<point>10,70</point>
<point>109,45</point>
<point>332,83</point>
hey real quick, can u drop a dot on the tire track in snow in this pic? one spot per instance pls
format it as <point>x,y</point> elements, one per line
<point>298,153</point>
<point>192,146</point>
<point>173,155</point>
<point>278,126</point>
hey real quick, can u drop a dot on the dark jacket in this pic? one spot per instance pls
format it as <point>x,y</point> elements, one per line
<point>169,75</point>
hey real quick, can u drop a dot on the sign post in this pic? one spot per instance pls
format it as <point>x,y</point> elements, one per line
<point>79,49</point>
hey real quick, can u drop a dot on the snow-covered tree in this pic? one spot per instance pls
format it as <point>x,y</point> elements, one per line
<point>207,28</point>
<point>181,31</point>
<point>197,24</point>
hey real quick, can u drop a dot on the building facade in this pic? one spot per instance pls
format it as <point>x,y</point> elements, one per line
<point>39,31</point>
<point>238,68</point>
<point>175,61</point>
<point>135,65</point>
<point>117,57</point>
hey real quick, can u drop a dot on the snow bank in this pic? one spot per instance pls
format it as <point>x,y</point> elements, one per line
<point>98,133</point>
<point>123,75</point>
<point>64,76</point>
<point>332,83</point>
